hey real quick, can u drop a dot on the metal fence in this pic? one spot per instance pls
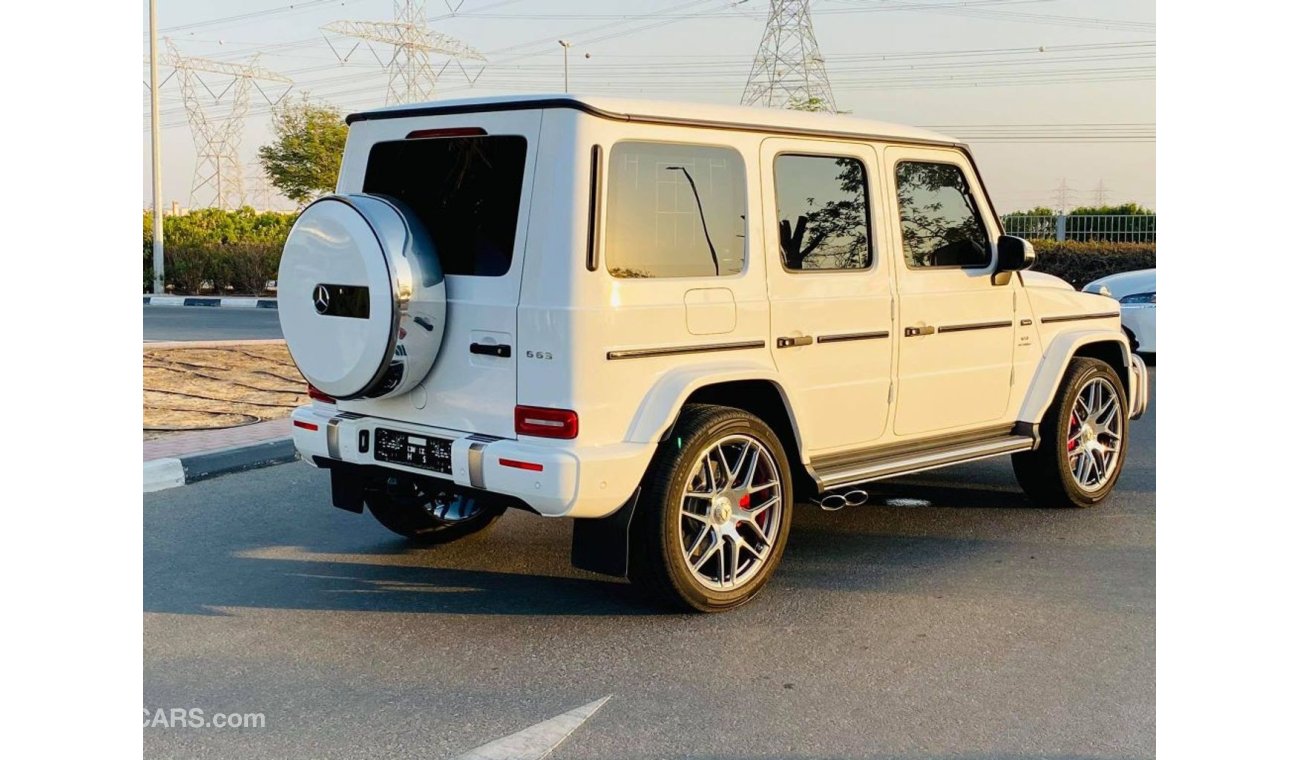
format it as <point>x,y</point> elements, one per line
<point>1136,228</point>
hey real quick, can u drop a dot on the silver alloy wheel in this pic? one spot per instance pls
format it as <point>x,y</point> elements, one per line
<point>1095,435</point>
<point>731,511</point>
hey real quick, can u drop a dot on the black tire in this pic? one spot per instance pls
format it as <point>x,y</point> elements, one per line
<point>1045,474</point>
<point>658,563</point>
<point>407,507</point>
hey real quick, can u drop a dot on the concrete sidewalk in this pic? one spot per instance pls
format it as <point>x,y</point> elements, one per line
<point>197,441</point>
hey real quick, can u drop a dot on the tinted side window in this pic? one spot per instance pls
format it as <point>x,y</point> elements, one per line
<point>821,202</point>
<point>940,220</point>
<point>675,211</point>
<point>465,190</point>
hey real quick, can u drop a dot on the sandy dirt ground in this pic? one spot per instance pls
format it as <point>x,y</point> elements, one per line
<point>207,388</point>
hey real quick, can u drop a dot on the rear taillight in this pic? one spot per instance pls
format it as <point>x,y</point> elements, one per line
<point>546,423</point>
<point>316,394</point>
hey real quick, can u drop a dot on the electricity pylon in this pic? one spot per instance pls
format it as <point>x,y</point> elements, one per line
<point>1063,195</point>
<point>217,168</point>
<point>789,71</point>
<point>1101,193</point>
<point>411,77</point>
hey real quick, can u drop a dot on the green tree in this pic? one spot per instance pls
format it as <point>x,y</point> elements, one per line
<point>303,159</point>
<point>811,105</point>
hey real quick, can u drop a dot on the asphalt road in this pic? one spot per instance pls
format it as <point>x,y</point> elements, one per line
<point>976,627</point>
<point>209,323</point>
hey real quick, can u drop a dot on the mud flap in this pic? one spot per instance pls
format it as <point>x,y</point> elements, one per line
<point>602,545</point>
<point>346,489</point>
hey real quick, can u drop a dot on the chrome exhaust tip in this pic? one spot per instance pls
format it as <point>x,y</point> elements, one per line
<point>834,502</point>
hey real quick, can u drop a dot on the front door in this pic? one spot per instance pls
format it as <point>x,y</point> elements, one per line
<point>956,335</point>
<point>829,289</point>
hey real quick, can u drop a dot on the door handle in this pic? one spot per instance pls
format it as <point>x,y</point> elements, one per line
<point>802,340</point>
<point>490,349</point>
<point>918,330</point>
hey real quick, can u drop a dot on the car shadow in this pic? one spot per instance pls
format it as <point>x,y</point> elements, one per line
<point>526,571</point>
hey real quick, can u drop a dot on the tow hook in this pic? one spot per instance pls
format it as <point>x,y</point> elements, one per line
<point>837,500</point>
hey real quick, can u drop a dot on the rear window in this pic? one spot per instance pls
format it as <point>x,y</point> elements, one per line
<point>675,211</point>
<point>465,190</point>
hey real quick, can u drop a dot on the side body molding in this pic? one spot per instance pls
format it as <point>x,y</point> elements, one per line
<point>1051,369</point>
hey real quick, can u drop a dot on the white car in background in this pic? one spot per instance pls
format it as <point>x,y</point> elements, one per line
<point>1136,293</point>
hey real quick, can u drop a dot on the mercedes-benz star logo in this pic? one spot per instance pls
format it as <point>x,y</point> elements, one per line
<point>322,299</point>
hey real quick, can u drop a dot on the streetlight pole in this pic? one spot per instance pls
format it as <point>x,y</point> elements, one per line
<point>566,45</point>
<point>158,278</point>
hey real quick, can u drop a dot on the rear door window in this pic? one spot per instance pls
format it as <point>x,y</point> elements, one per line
<point>466,191</point>
<point>821,204</point>
<point>675,210</point>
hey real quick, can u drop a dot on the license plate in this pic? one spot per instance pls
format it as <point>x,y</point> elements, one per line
<point>423,451</point>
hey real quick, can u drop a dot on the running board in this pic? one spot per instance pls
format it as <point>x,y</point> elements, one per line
<point>870,468</point>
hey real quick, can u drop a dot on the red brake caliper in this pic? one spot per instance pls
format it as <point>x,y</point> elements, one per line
<point>1074,428</point>
<point>761,519</point>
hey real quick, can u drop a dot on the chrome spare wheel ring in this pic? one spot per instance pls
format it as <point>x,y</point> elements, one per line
<point>1095,434</point>
<point>730,512</point>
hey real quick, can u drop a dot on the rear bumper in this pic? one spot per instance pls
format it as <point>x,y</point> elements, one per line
<point>590,481</point>
<point>1138,384</point>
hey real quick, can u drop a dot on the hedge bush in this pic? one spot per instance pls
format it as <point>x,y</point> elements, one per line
<point>1079,263</point>
<point>224,251</point>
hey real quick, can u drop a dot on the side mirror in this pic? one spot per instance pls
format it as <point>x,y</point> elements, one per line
<point>1014,255</point>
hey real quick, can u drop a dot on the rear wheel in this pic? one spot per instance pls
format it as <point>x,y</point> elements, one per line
<point>1084,439</point>
<point>425,514</point>
<point>714,512</point>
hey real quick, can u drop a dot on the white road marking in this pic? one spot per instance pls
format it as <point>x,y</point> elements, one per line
<point>907,502</point>
<point>538,740</point>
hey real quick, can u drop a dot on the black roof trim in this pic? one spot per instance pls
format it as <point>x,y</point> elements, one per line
<point>577,105</point>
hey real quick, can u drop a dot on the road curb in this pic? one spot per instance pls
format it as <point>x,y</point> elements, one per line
<point>238,302</point>
<point>171,472</point>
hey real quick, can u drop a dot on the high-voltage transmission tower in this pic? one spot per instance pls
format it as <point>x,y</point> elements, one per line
<point>411,78</point>
<point>218,173</point>
<point>788,70</point>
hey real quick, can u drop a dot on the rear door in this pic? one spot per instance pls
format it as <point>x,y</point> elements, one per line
<point>468,178</point>
<point>830,291</point>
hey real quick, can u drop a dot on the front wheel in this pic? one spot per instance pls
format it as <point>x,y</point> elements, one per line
<point>1084,439</point>
<point>418,510</point>
<point>714,512</point>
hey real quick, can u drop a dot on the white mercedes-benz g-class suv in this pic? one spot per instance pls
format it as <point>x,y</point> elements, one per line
<point>672,322</point>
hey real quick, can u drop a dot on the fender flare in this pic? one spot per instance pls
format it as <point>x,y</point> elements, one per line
<point>1042,389</point>
<point>661,405</point>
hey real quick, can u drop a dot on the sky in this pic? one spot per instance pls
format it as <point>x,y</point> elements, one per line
<point>1056,97</point>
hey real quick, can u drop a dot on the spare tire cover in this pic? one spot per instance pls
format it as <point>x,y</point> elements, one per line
<point>361,297</point>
